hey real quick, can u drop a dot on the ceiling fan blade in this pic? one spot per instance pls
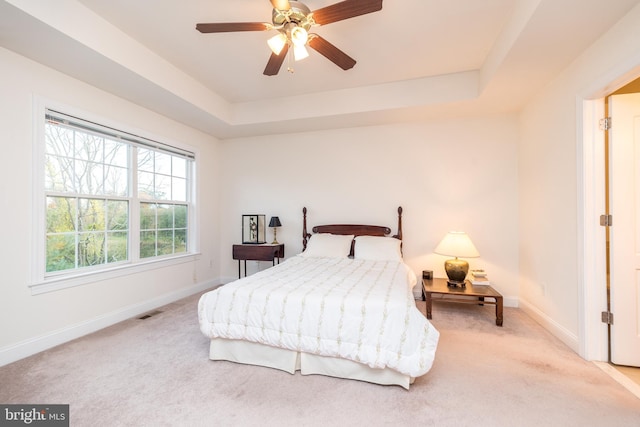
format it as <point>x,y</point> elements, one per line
<point>275,62</point>
<point>281,4</point>
<point>227,27</point>
<point>345,10</point>
<point>331,52</point>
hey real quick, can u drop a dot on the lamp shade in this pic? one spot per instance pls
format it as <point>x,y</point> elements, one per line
<point>299,36</point>
<point>457,244</point>
<point>277,42</point>
<point>275,222</point>
<point>299,52</point>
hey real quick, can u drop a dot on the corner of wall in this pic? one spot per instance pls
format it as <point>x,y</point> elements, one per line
<point>557,330</point>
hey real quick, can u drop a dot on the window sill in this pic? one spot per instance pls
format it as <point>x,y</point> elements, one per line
<point>57,283</point>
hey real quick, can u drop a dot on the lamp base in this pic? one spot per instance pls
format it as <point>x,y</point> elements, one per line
<point>456,270</point>
<point>453,284</point>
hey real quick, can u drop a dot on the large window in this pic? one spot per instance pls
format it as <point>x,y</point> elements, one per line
<point>111,198</point>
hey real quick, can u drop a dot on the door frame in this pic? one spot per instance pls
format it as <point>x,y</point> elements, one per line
<point>592,333</point>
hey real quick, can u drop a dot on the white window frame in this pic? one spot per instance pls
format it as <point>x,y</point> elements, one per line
<point>40,281</point>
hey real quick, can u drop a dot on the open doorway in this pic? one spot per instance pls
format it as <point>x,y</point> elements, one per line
<point>622,184</point>
<point>593,333</point>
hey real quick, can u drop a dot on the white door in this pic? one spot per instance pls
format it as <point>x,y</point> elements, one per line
<point>624,199</point>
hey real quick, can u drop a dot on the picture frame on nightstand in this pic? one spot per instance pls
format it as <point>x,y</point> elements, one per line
<point>253,229</point>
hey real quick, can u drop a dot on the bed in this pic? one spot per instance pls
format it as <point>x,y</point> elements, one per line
<point>344,307</point>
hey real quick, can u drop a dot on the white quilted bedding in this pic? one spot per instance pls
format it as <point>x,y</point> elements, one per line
<point>339,307</point>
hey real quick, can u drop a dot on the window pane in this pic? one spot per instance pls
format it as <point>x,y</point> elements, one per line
<point>179,189</point>
<point>117,215</point>
<point>179,167</point>
<point>165,242</point>
<point>61,252</point>
<point>147,216</point>
<point>61,214</point>
<point>91,214</point>
<point>180,241</point>
<point>89,177</point>
<point>180,212</point>
<point>145,185</point>
<point>89,147</point>
<point>59,174</point>
<point>116,153</point>
<point>163,163</point>
<point>117,244</point>
<point>58,140</point>
<point>116,181</point>
<point>91,249</point>
<point>163,187</point>
<point>147,244</point>
<point>165,216</point>
<point>145,160</point>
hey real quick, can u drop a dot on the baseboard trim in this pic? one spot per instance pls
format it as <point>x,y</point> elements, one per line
<point>560,332</point>
<point>37,344</point>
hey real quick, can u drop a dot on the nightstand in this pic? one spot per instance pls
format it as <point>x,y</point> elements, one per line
<point>476,293</point>
<point>266,252</point>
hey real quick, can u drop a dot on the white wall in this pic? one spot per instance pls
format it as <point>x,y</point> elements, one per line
<point>454,174</point>
<point>30,323</point>
<point>513,183</point>
<point>551,184</point>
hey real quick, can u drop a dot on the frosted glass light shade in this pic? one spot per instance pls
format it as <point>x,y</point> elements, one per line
<point>299,36</point>
<point>276,43</point>
<point>299,52</point>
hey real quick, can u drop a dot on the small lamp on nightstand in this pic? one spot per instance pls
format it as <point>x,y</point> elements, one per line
<point>456,244</point>
<point>275,223</point>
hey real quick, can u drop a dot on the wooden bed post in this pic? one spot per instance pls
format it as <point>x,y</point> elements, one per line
<point>304,228</point>
<point>399,235</point>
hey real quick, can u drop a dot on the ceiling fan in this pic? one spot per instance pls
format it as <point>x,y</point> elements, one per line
<point>292,20</point>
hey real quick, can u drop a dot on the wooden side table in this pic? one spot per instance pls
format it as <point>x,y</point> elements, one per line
<point>267,252</point>
<point>476,293</point>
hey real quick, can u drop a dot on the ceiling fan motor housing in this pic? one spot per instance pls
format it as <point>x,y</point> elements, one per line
<point>297,14</point>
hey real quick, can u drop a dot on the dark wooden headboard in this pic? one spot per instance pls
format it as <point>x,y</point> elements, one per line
<point>355,229</point>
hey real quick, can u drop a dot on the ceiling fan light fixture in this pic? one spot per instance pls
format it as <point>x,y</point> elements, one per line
<point>299,52</point>
<point>293,20</point>
<point>299,36</point>
<point>277,42</point>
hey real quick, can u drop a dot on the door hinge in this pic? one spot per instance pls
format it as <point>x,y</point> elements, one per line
<point>606,220</point>
<point>605,123</point>
<point>607,317</point>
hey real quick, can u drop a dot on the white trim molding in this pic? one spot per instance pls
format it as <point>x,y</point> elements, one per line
<point>552,326</point>
<point>35,345</point>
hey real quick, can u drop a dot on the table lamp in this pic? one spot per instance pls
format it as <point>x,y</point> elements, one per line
<point>275,223</point>
<point>456,244</point>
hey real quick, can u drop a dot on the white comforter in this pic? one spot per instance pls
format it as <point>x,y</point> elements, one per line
<point>359,310</point>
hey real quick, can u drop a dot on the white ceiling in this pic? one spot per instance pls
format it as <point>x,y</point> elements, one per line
<point>415,58</point>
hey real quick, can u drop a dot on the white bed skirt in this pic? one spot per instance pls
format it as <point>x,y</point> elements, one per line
<point>250,353</point>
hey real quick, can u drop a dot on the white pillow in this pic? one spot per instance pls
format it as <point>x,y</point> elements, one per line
<point>377,248</point>
<point>328,245</point>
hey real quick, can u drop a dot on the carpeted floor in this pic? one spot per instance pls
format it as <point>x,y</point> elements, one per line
<point>156,372</point>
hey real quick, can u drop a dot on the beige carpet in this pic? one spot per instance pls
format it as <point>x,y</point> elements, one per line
<point>155,372</point>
